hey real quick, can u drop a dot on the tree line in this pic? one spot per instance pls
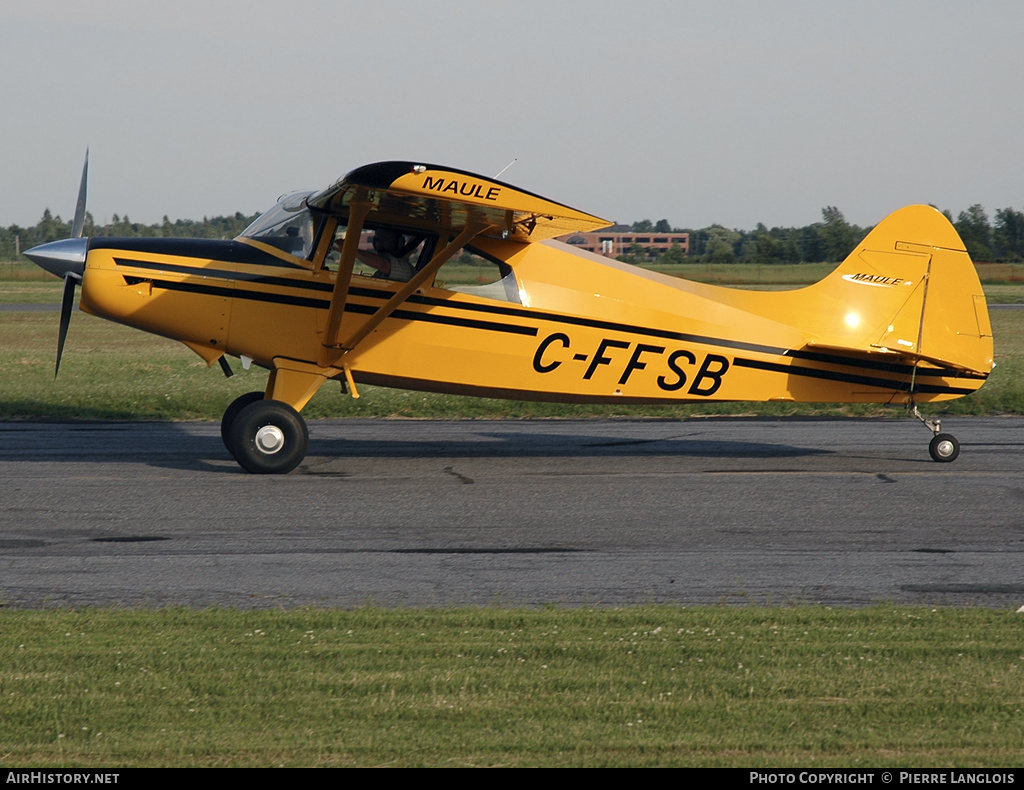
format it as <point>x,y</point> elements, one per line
<point>829,240</point>
<point>15,240</point>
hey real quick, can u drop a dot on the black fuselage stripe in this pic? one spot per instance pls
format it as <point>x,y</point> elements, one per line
<point>470,323</point>
<point>885,367</point>
<point>303,301</point>
<point>847,378</point>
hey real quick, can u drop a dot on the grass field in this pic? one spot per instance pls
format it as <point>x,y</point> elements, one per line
<point>649,686</point>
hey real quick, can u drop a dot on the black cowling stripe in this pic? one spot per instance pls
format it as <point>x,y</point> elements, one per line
<point>211,249</point>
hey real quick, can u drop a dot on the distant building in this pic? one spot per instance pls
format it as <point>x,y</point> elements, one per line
<point>620,240</point>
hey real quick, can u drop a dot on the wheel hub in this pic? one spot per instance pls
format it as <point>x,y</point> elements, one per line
<point>269,439</point>
<point>944,448</point>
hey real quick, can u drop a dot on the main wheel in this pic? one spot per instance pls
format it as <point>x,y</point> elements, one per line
<point>944,448</point>
<point>232,411</point>
<point>268,438</point>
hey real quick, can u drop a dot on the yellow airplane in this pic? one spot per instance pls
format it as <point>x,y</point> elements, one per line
<point>423,277</point>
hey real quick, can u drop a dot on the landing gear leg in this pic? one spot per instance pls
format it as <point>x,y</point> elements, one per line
<point>943,447</point>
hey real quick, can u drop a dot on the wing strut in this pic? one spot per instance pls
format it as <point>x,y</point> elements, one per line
<point>358,210</point>
<point>332,352</point>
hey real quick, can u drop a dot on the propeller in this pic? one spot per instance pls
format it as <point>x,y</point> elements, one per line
<point>66,259</point>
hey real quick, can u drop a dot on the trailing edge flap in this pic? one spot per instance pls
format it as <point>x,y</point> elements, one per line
<point>451,198</point>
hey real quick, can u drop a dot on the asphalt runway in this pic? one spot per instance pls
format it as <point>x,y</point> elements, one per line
<point>424,513</point>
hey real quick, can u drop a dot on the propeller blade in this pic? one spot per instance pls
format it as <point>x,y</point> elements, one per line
<point>67,302</point>
<point>79,223</point>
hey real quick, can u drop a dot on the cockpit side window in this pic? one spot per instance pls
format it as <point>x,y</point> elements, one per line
<point>385,252</point>
<point>289,226</point>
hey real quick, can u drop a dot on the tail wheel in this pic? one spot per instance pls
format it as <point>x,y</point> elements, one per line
<point>268,438</point>
<point>944,448</point>
<point>232,411</point>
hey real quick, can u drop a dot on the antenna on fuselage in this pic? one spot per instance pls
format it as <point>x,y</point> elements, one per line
<point>506,167</point>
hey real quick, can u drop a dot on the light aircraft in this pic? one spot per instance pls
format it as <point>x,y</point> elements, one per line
<point>903,320</point>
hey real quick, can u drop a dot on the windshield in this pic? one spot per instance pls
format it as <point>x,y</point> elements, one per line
<point>288,226</point>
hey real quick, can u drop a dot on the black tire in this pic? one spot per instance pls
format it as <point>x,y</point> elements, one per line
<point>231,412</point>
<point>944,448</point>
<point>269,438</point>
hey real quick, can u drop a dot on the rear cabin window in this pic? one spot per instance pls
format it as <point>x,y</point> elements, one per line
<point>471,272</point>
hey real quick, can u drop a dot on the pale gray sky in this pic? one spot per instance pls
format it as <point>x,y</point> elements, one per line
<point>699,112</point>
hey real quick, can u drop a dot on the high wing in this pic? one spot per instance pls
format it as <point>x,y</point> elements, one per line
<point>459,204</point>
<point>453,199</point>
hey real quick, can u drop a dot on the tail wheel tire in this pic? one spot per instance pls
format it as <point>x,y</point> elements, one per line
<point>944,448</point>
<point>232,411</point>
<point>268,438</point>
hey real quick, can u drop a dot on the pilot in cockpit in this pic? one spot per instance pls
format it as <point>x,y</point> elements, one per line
<point>387,256</point>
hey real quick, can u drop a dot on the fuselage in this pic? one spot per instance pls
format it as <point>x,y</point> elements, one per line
<point>583,328</point>
<point>417,276</point>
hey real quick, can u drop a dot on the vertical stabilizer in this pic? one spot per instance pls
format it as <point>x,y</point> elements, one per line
<point>910,288</point>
